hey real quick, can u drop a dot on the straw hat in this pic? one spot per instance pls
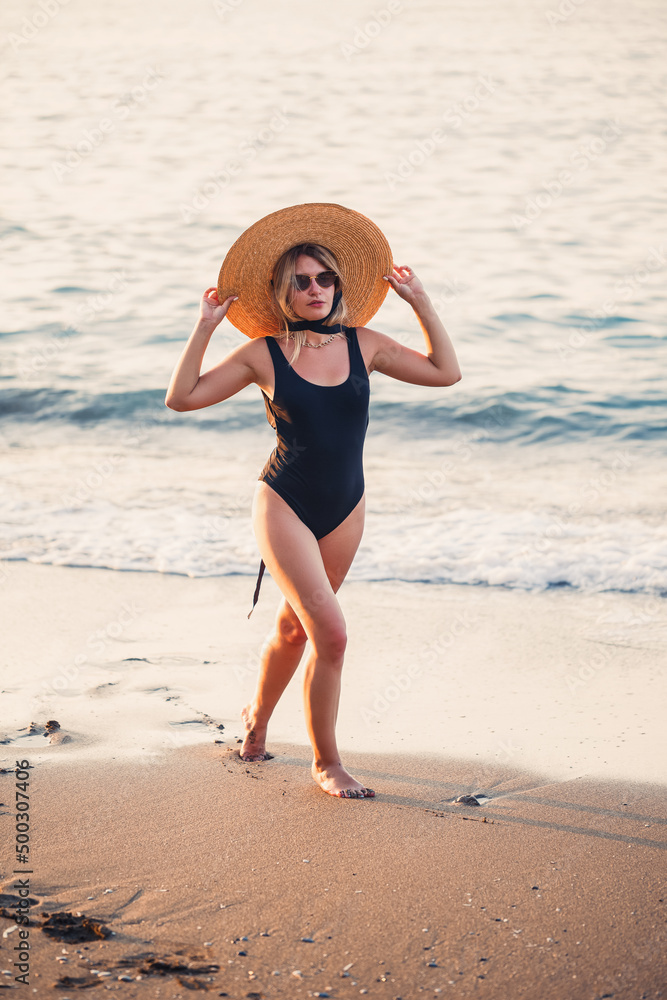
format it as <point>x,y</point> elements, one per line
<point>360,248</point>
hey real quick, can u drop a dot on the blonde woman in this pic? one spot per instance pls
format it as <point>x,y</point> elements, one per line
<point>289,283</point>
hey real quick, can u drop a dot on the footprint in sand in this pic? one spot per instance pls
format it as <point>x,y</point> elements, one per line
<point>51,730</point>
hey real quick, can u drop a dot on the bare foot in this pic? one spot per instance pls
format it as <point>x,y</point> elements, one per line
<point>335,780</point>
<point>254,745</point>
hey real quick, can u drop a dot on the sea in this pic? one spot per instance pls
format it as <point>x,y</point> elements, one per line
<point>514,156</point>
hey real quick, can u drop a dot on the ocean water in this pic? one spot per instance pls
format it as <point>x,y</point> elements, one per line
<point>513,154</point>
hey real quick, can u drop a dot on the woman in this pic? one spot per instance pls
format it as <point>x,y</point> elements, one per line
<point>288,283</point>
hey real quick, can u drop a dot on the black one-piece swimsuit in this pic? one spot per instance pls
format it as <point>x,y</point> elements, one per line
<point>317,464</point>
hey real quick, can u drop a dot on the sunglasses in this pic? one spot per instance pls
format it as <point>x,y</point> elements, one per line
<point>325,279</point>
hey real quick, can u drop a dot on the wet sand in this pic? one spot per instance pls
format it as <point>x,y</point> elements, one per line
<point>202,860</point>
<point>145,820</point>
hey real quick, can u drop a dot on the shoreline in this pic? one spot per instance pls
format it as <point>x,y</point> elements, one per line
<point>132,664</point>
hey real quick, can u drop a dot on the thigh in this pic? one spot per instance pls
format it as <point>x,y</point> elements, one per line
<point>308,572</point>
<point>292,556</point>
<point>339,547</point>
<point>337,550</point>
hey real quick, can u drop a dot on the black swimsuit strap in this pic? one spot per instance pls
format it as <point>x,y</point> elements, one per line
<point>262,567</point>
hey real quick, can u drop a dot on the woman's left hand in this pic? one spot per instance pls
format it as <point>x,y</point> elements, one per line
<point>405,283</point>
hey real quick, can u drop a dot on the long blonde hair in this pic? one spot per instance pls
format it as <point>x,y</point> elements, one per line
<point>283,288</point>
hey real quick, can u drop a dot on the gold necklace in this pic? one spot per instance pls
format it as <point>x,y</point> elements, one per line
<point>322,343</point>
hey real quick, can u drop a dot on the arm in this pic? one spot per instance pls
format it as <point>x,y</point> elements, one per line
<point>439,366</point>
<point>188,390</point>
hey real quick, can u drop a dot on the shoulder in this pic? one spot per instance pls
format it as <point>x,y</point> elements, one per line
<point>371,343</point>
<point>254,351</point>
<point>258,354</point>
<point>246,360</point>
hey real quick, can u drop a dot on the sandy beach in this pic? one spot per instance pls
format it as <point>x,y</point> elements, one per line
<point>504,686</point>
<point>202,872</point>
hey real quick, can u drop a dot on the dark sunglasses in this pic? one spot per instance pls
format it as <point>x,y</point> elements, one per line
<point>325,279</point>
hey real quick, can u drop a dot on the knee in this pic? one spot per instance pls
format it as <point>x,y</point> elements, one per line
<point>291,630</point>
<point>330,641</point>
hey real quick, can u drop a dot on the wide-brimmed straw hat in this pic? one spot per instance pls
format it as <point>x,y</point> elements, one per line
<point>362,252</point>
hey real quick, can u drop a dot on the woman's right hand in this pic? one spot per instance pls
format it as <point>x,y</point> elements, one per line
<point>211,309</point>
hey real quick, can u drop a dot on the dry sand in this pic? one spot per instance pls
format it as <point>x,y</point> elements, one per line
<point>144,817</point>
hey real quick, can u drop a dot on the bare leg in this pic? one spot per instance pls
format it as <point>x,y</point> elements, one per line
<point>280,657</point>
<point>308,573</point>
<point>321,691</point>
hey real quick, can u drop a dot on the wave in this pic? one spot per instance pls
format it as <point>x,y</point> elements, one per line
<point>544,413</point>
<point>519,549</point>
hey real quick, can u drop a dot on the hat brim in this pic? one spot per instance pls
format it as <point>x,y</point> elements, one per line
<point>361,249</point>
